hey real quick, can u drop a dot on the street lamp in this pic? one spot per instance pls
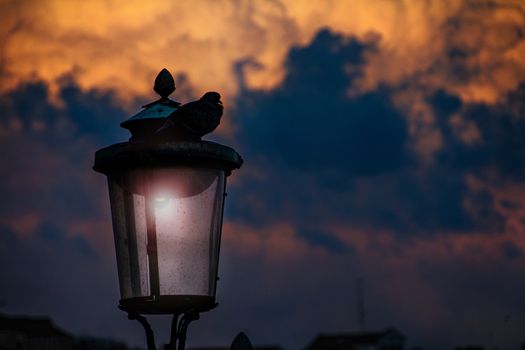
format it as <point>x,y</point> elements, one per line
<point>167,189</point>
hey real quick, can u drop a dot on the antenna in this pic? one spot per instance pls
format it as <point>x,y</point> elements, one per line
<point>361,313</point>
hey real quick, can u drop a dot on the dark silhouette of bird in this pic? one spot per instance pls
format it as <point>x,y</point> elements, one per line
<point>192,120</point>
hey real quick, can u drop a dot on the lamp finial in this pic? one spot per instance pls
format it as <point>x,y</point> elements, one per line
<point>164,83</point>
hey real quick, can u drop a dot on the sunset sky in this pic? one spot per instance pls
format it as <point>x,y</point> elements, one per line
<point>383,140</point>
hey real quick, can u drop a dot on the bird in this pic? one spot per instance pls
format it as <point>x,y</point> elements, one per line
<point>192,120</point>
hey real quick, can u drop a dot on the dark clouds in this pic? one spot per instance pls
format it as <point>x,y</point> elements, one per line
<point>329,156</point>
<point>49,151</point>
<point>80,115</point>
<point>501,143</point>
<point>311,124</point>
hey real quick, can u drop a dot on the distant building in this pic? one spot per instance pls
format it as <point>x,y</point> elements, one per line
<point>91,343</point>
<point>390,339</point>
<point>21,333</point>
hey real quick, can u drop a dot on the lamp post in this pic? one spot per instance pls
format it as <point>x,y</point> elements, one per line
<point>167,190</point>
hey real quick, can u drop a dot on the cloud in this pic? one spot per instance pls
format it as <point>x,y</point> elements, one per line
<point>120,45</point>
<point>46,166</point>
<point>472,49</point>
<point>325,240</point>
<point>320,155</point>
<point>308,122</point>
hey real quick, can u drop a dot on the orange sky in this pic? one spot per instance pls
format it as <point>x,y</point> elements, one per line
<point>119,45</point>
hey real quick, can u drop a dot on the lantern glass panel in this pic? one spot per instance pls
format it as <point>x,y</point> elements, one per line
<point>167,224</point>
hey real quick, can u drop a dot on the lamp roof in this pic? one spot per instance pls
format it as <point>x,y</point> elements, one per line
<point>131,155</point>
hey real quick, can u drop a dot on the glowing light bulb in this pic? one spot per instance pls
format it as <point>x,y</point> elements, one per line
<point>161,202</point>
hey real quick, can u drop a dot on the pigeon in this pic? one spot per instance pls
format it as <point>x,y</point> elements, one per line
<point>192,120</point>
